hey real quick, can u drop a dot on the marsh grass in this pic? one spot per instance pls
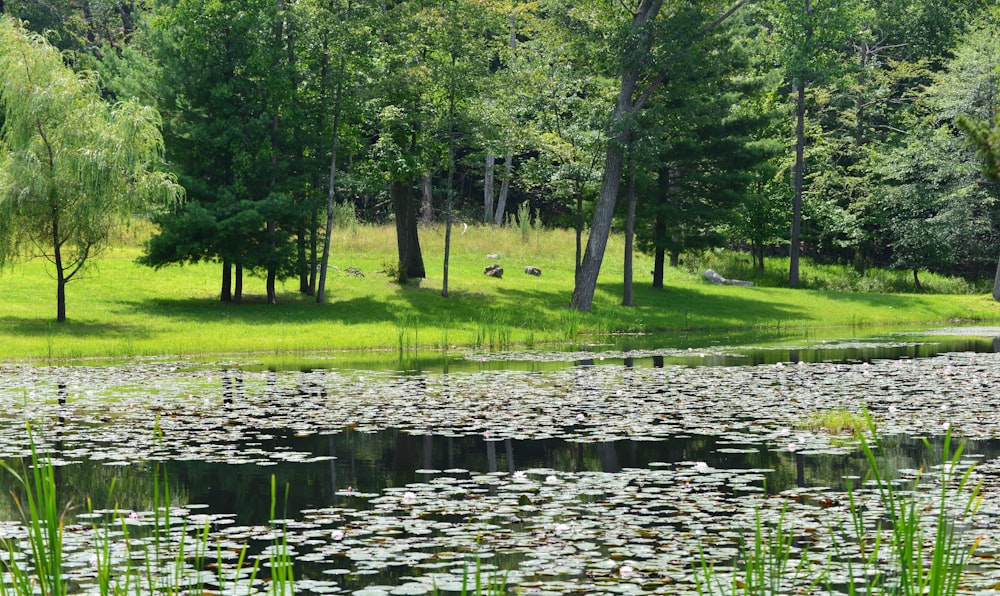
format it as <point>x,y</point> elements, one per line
<point>915,544</point>
<point>167,558</point>
<point>766,564</point>
<point>836,421</point>
<point>121,309</point>
<point>924,558</point>
<point>45,524</point>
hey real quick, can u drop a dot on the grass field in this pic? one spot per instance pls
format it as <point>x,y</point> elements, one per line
<point>122,309</point>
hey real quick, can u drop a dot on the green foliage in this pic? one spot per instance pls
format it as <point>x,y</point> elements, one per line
<point>74,167</point>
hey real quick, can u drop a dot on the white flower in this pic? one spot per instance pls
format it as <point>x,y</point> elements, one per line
<point>701,466</point>
<point>551,479</point>
<point>337,534</point>
<point>560,528</point>
<point>409,497</point>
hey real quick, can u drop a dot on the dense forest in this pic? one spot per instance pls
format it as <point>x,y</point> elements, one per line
<point>820,128</point>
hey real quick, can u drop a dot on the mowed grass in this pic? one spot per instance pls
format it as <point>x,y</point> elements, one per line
<point>122,309</point>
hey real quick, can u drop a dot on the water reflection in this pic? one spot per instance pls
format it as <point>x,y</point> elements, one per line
<point>370,463</point>
<point>677,349</point>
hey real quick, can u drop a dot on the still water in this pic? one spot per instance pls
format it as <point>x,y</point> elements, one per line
<point>597,470</point>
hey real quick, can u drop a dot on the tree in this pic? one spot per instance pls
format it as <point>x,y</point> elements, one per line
<point>640,73</point>
<point>810,37</point>
<point>224,101</point>
<point>74,167</point>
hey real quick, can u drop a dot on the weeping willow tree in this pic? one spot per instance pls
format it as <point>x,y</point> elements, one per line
<point>72,167</point>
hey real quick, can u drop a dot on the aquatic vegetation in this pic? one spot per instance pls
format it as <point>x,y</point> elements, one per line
<point>837,421</point>
<point>406,481</point>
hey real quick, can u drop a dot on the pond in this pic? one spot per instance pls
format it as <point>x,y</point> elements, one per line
<point>598,470</point>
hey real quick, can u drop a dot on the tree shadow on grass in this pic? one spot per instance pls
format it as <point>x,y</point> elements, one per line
<point>42,327</point>
<point>255,310</point>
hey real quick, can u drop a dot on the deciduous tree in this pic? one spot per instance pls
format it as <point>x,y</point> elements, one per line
<point>73,166</point>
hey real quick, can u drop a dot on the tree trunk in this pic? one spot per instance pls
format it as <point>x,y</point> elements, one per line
<point>331,192</point>
<point>659,257</point>
<point>426,200</point>
<point>996,284</point>
<point>313,249</point>
<point>301,245</point>
<point>800,143</point>
<point>627,294</point>
<point>488,187</point>
<point>604,208</point>
<point>504,189</point>
<point>675,258</point>
<point>451,181</point>
<point>411,261</point>
<point>125,11</point>
<point>238,289</point>
<point>226,295</point>
<point>916,280</point>
<point>579,233</point>
<point>600,228</point>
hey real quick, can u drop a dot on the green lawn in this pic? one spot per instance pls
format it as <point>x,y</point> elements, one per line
<point>123,309</point>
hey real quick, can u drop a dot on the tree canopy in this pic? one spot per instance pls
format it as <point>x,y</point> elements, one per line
<point>72,167</point>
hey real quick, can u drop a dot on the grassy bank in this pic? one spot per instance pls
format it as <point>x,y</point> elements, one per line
<point>123,309</point>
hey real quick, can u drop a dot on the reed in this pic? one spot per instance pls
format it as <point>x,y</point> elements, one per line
<point>900,550</point>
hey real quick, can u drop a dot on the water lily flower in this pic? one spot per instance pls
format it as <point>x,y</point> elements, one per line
<point>133,515</point>
<point>792,446</point>
<point>560,528</point>
<point>337,534</point>
<point>551,479</point>
<point>701,466</point>
<point>519,475</point>
<point>409,497</point>
<point>626,571</point>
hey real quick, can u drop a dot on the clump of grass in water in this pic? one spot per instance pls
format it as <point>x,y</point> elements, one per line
<point>836,421</point>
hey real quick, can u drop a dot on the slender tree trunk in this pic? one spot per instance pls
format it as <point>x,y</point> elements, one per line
<point>238,286</point>
<point>313,249</point>
<point>331,193</point>
<point>659,259</point>
<point>272,294</point>
<point>797,183</point>
<point>664,184</point>
<point>488,187</point>
<point>451,180</point>
<point>579,233</point>
<point>627,295</point>
<point>411,261</point>
<point>916,280</point>
<point>226,295</point>
<point>426,200</point>
<point>504,189</point>
<point>675,258</point>
<point>859,124</point>
<point>996,283</point>
<point>301,246</point>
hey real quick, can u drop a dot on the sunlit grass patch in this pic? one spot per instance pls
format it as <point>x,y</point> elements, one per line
<point>836,421</point>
